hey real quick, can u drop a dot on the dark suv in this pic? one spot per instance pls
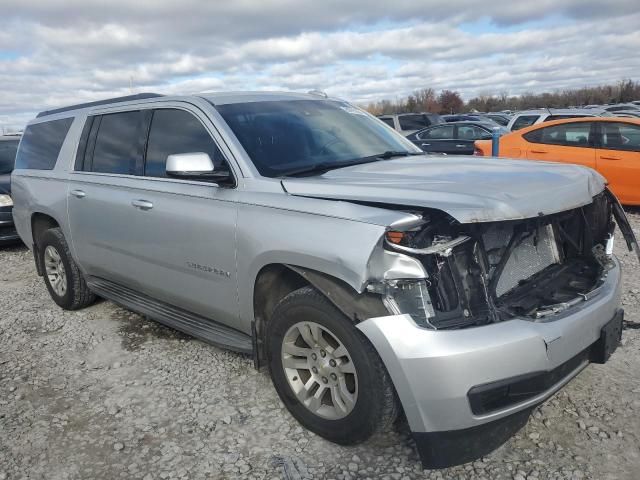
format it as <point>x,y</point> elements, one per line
<point>8,149</point>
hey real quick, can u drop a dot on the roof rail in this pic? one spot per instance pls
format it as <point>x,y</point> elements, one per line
<point>138,96</point>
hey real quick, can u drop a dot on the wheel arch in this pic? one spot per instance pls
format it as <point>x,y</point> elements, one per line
<point>40,222</point>
<point>275,281</point>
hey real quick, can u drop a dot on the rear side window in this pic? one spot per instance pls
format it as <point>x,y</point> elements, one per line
<point>442,132</point>
<point>524,121</point>
<point>567,134</point>
<point>8,149</point>
<point>471,132</point>
<point>119,143</point>
<point>388,121</point>
<point>562,117</point>
<point>41,144</point>
<point>413,122</point>
<point>621,136</point>
<point>176,131</point>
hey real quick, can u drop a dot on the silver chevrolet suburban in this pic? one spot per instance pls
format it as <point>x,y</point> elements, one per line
<point>371,279</point>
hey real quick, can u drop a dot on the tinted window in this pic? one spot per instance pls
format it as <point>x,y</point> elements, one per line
<point>471,132</point>
<point>41,144</point>
<point>389,121</point>
<point>285,136</point>
<point>413,122</point>
<point>442,132</point>
<point>499,119</point>
<point>524,121</point>
<point>568,134</point>
<point>562,117</point>
<point>8,151</point>
<point>177,131</point>
<point>621,136</point>
<point>118,144</point>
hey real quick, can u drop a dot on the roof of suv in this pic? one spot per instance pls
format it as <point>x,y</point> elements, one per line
<point>10,136</point>
<point>220,98</point>
<point>560,111</point>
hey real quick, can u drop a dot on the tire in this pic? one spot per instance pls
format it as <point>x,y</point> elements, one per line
<point>75,294</point>
<point>341,420</point>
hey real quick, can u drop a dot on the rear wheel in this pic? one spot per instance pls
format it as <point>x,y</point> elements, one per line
<point>326,372</point>
<point>62,276</point>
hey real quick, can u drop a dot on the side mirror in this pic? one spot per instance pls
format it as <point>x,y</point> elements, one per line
<point>195,165</point>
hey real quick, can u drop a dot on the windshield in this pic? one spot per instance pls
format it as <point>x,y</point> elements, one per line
<point>288,136</point>
<point>8,151</point>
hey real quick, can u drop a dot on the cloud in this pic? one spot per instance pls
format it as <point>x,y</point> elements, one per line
<point>67,51</point>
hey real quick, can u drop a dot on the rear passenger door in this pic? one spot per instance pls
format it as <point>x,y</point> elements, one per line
<point>618,159</point>
<point>437,139</point>
<point>567,143</point>
<point>466,135</point>
<point>171,239</point>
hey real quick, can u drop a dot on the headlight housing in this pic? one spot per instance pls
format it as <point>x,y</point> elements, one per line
<point>5,200</point>
<point>412,297</point>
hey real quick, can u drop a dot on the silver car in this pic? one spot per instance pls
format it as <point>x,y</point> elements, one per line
<point>371,280</point>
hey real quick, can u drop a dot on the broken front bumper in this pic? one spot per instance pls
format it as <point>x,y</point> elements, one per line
<point>436,373</point>
<point>8,231</point>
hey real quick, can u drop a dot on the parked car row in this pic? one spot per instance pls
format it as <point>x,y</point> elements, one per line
<point>608,145</point>
<point>415,125</point>
<point>8,149</point>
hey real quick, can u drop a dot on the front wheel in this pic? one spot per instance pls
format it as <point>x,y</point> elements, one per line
<point>326,372</point>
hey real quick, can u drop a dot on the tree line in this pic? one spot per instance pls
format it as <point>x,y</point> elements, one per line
<point>450,101</point>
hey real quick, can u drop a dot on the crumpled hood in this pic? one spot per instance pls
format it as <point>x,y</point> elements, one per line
<point>470,189</point>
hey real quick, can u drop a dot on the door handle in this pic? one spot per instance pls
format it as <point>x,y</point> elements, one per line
<point>78,193</point>
<point>539,151</point>
<point>142,204</point>
<point>426,145</point>
<point>460,145</point>
<point>609,158</point>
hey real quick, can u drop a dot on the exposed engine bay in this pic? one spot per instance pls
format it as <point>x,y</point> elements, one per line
<point>489,272</point>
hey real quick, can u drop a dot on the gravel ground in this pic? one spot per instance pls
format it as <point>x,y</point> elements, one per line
<point>104,393</point>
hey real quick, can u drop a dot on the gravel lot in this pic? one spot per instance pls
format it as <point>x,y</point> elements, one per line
<point>103,393</point>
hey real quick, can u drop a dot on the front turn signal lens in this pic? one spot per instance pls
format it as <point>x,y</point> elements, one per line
<point>394,237</point>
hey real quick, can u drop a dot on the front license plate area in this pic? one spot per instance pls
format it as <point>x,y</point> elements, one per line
<point>610,336</point>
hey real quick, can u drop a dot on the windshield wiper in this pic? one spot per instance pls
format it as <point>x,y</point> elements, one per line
<point>323,167</point>
<point>393,154</point>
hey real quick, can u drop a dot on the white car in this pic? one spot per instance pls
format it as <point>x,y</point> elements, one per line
<point>531,117</point>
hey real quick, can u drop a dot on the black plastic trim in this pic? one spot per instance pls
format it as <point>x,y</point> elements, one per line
<point>455,447</point>
<point>190,323</point>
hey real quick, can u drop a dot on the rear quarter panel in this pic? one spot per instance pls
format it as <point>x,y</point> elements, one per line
<point>45,191</point>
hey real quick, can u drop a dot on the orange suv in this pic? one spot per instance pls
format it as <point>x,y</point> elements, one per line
<point>609,145</point>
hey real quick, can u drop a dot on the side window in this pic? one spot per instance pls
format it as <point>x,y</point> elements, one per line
<point>412,122</point>
<point>119,143</point>
<point>41,144</point>
<point>176,131</point>
<point>442,132</point>
<point>567,134</point>
<point>563,117</point>
<point>8,149</point>
<point>471,132</point>
<point>524,121</point>
<point>621,136</point>
<point>388,121</point>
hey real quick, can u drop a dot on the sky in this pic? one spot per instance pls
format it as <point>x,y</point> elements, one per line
<point>60,52</point>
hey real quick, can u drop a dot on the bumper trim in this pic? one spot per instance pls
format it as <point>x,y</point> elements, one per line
<point>455,447</point>
<point>495,396</point>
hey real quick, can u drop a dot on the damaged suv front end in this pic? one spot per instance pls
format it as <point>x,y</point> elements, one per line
<point>506,314</point>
